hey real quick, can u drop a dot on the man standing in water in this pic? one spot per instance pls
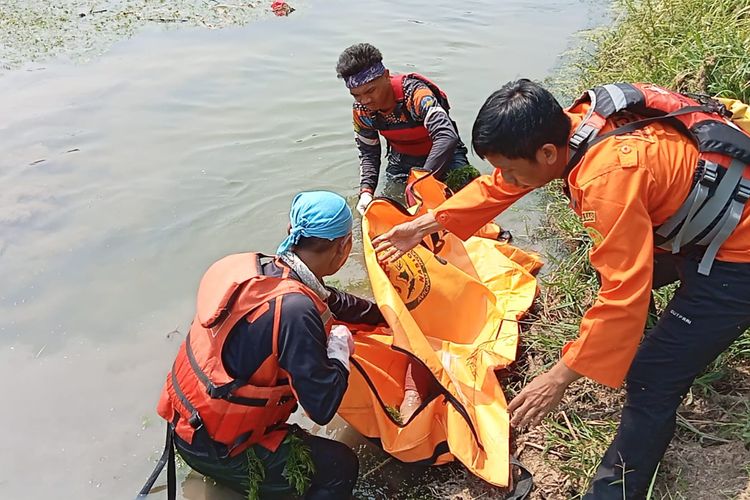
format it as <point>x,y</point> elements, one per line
<point>261,342</point>
<point>633,186</point>
<point>409,110</point>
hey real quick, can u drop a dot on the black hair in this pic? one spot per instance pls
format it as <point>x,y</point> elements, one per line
<point>517,120</point>
<point>315,244</point>
<point>356,58</point>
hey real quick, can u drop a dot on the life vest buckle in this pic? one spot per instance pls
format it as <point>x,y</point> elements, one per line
<point>581,135</point>
<point>710,173</point>
<point>195,420</point>
<point>743,192</point>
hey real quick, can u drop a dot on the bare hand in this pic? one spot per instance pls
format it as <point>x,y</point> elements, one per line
<point>390,246</point>
<point>541,396</point>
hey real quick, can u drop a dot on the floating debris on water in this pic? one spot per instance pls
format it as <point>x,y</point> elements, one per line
<point>37,29</point>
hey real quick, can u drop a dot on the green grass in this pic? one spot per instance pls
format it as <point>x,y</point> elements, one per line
<point>575,445</point>
<point>689,45</point>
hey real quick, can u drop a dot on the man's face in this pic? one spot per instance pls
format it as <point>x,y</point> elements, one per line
<point>375,95</point>
<point>525,173</point>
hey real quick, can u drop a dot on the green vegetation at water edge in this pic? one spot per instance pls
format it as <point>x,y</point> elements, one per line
<point>34,30</point>
<point>689,45</point>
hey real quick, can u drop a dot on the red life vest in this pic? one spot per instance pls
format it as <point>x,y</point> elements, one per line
<point>722,182</point>
<point>200,393</point>
<point>409,137</point>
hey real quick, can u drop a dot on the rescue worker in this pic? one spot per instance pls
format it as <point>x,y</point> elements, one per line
<point>261,343</point>
<point>409,110</point>
<point>631,185</point>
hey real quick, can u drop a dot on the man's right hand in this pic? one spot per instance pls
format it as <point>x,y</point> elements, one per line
<point>390,246</point>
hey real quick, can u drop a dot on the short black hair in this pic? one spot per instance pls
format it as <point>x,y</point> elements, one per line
<point>315,244</point>
<point>517,120</point>
<point>356,58</point>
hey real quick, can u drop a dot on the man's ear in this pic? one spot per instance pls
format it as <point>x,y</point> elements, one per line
<point>547,154</point>
<point>344,246</point>
<point>289,228</point>
<point>344,242</point>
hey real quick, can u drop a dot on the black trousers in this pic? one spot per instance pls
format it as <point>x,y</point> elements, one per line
<point>704,317</point>
<point>336,469</point>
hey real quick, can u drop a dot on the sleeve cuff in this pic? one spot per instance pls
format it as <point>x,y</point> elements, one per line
<point>463,231</point>
<point>601,373</point>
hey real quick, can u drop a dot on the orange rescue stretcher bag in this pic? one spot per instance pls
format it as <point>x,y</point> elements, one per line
<point>453,308</point>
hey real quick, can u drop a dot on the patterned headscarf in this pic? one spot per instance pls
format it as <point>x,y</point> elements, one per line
<point>365,76</point>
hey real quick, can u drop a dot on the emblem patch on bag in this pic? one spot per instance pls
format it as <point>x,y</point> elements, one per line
<point>588,216</point>
<point>409,277</point>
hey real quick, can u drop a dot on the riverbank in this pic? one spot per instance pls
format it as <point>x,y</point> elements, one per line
<point>694,46</point>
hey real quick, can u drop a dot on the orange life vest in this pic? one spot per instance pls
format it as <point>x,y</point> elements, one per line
<point>722,182</point>
<point>200,393</point>
<point>409,137</point>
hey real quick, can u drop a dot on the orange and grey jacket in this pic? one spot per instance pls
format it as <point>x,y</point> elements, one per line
<point>624,188</point>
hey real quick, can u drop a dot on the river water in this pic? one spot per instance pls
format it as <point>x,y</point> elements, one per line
<point>122,178</point>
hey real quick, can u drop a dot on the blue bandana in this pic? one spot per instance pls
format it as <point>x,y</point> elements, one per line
<point>365,76</point>
<point>321,214</point>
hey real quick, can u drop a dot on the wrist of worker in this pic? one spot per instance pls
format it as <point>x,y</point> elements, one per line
<point>426,224</point>
<point>562,374</point>
<point>366,189</point>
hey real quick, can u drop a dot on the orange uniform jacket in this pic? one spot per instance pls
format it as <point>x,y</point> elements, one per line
<point>624,187</point>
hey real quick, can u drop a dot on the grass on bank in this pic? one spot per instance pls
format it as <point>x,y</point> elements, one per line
<point>688,45</point>
<point>698,46</point>
<point>574,437</point>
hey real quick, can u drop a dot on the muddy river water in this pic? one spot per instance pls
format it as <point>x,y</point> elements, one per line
<point>122,178</point>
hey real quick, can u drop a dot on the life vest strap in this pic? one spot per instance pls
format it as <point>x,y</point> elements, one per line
<point>726,226</point>
<point>222,391</point>
<point>696,215</point>
<point>523,485</point>
<point>709,174</point>
<point>581,135</point>
<point>167,458</point>
<point>715,204</point>
<point>194,419</point>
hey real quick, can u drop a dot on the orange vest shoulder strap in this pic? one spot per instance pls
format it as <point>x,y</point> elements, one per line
<point>397,84</point>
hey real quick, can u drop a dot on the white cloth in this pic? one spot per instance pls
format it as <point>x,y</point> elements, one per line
<point>364,201</point>
<point>340,344</point>
<point>307,277</point>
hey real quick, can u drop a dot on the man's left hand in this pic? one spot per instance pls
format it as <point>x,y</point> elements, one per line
<point>541,396</point>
